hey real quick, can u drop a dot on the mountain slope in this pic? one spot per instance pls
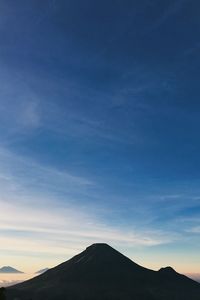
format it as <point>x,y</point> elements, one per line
<point>8,269</point>
<point>100,272</point>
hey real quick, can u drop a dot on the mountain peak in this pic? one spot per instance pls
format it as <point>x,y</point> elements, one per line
<point>168,270</point>
<point>98,245</point>
<point>99,253</point>
<point>8,269</point>
<point>102,253</point>
<point>42,271</point>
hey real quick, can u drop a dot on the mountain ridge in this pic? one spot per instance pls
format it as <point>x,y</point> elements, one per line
<point>101,272</point>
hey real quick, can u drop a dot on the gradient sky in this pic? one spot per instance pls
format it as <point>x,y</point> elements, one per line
<point>99,127</point>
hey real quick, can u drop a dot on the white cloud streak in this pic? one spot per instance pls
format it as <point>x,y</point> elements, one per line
<point>62,233</point>
<point>34,219</point>
<point>195,230</point>
<point>17,172</point>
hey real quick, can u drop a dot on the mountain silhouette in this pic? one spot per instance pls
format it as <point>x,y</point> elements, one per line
<point>42,271</point>
<point>101,272</point>
<point>8,269</point>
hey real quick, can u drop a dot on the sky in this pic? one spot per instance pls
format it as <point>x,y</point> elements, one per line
<point>99,131</point>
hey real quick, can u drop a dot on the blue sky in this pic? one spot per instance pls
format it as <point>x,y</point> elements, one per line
<point>99,126</point>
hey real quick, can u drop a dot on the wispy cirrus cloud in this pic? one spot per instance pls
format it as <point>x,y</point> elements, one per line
<point>18,172</point>
<point>35,221</point>
<point>195,230</point>
<point>24,227</point>
<point>170,11</point>
<point>20,109</point>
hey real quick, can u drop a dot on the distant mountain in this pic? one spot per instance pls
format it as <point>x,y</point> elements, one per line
<point>42,271</point>
<point>100,273</point>
<point>194,276</point>
<point>8,269</point>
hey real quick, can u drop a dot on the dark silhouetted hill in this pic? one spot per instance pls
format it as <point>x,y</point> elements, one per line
<point>102,273</point>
